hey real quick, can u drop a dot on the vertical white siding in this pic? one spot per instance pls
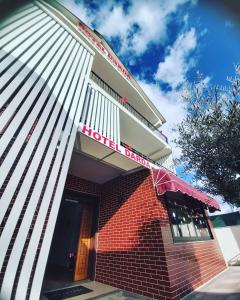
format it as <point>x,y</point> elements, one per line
<point>44,74</point>
<point>101,114</point>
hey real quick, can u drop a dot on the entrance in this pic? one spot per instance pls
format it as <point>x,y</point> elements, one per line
<point>70,251</point>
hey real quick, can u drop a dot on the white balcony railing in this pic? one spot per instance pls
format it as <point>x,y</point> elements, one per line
<point>101,114</point>
<point>126,105</point>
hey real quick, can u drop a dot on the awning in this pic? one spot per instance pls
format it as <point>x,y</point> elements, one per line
<point>166,181</point>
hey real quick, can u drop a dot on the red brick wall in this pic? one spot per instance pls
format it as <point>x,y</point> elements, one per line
<point>81,185</point>
<point>135,247</point>
<point>130,252</point>
<point>191,264</point>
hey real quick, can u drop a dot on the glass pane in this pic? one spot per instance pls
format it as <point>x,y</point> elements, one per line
<point>176,230</point>
<point>196,225</point>
<point>203,227</point>
<point>192,229</point>
<point>188,223</point>
<point>184,223</point>
<point>174,222</point>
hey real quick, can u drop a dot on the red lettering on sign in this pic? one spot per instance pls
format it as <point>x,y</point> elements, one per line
<point>117,149</point>
<point>138,159</point>
<point>105,140</point>
<point>92,38</point>
<point>127,152</point>
<point>88,130</point>
<point>97,136</point>
<point>133,156</point>
<point>100,47</point>
<point>111,144</point>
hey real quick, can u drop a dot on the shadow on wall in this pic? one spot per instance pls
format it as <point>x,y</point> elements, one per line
<point>135,246</point>
<point>147,270</point>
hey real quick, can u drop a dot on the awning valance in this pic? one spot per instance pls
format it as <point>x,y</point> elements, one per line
<point>166,181</point>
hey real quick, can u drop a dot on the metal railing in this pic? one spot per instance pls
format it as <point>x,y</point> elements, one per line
<point>128,106</point>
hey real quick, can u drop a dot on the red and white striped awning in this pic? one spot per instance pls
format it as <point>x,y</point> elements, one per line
<point>166,181</point>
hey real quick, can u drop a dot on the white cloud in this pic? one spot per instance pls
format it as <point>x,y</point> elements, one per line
<point>225,207</point>
<point>173,71</point>
<point>79,10</point>
<point>145,22</point>
<point>172,108</point>
<point>176,64</point>
<point>151,18</point>
<point>113,21</point>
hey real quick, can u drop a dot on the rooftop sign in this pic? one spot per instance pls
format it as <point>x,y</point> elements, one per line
<point>103,50</point>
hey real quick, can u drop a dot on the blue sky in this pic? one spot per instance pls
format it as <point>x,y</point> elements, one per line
<point>163,43</point>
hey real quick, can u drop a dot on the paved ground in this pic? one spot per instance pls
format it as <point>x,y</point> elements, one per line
<point>225,287</point>
<point>102,291</point>
<point>106,292</point>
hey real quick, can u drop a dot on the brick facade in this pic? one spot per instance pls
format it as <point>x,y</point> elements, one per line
<point>191,264</point>
<point>135,250</point>
<point>80,185</point>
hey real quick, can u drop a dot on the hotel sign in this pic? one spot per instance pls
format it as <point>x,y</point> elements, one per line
<point>103,50</point>
<point>114,146</point>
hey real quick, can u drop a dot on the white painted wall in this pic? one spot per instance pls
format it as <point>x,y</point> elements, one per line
<point>229,241</point>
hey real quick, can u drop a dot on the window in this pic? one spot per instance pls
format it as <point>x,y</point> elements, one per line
<point>188,220</point>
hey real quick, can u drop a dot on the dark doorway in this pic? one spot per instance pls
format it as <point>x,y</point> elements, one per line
<point>73,228</point>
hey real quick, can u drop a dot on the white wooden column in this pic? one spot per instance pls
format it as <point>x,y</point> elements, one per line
<point>44,69</point>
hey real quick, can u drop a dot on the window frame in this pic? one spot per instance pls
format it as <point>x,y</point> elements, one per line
<point>184,201</point>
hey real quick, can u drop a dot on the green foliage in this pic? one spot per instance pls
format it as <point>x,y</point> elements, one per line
<point>210,136</point>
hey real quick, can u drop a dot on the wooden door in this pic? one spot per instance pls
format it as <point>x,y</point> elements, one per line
<point>84,243</point>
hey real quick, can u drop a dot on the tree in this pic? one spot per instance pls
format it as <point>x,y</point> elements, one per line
<point>209,136</point>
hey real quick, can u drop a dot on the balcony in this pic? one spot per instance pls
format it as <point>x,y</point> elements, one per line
<point>115,133</point>
<point>127,106</point>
